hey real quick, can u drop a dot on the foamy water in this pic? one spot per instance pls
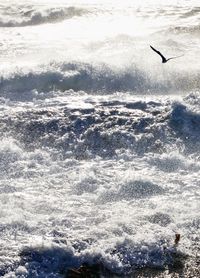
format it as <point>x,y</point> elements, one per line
<point>100,142</point>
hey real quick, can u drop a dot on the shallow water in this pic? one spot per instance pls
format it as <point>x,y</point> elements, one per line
<point>100,142</point>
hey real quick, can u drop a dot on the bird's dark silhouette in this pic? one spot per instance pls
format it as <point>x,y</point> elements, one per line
<point>164,60</point>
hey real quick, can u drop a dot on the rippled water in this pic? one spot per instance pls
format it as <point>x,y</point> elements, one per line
<point>100,141</point>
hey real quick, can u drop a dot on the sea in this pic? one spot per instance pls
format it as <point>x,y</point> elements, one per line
<point>99,140</point>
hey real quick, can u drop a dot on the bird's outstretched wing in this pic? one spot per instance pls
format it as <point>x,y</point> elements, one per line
<point>158,52</point>
<point>174,57</point>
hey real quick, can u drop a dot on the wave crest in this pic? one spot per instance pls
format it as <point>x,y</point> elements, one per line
<point>36,17</point>
<point>90,78</point>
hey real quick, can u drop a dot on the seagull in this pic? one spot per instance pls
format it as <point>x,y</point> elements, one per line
<point>164,60</point>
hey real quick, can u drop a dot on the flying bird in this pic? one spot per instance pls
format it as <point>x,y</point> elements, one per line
<point>164,60</point>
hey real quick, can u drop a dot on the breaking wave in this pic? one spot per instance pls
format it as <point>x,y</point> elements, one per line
<point>90,78</point>
<point>89,131</point>
<point>191,30</point>
<point>193,11</point>
<point>41,261</point>
<point>28,17</point>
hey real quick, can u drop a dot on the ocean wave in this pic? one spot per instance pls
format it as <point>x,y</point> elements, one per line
<point>28,17</point>
<point>134,189</point>
<point>173,162</point>
<point>88,130</point>
<point>13,160</point>
<point>185,121</point>
<point>82,132</point>
<point>76,76</point>
<point>98,78</point>
<point>193,11</point>
<point>124,258</point>
<point>191,30</point>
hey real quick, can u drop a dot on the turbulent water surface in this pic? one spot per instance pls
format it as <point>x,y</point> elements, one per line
<point>100,141</point>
